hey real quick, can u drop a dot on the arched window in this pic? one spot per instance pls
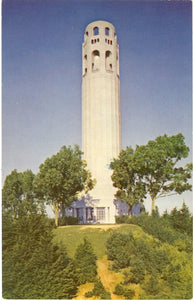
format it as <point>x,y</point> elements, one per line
<point>117,62</point>
<point>108,54</point>
<point>86,33</point>
<point>108,61</point>
<point>95,60</point>
<point>107,31</point>
<point>85,64</point>
<point>95,31</point>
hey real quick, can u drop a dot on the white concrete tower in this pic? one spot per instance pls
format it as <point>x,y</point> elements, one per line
<point>101,128</point>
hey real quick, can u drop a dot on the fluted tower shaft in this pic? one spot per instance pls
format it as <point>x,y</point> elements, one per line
<point>101,122</point>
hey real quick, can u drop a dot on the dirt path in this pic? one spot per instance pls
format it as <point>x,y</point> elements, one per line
<point>83,289</point>
<point>109,278</point>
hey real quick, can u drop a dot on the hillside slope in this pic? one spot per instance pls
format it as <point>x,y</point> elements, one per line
<point>72,236</point>
<point>135,264</point>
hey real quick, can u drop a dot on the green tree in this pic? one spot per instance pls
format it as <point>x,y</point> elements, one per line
<point>85,262</point>
<point>181,219</point>
<point>157,163</point>
<point>61,177</point>
<point>32,266</point>
<point>12,193</point>
<point>17,194</point>
<point>120,289</point>
<point>137,270</point>
<point>120,249</point>
<point>98,291</point>
<point>131,189</point>
<point>156,168</point>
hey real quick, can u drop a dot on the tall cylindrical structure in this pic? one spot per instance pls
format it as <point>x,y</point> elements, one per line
<point>101,121</point>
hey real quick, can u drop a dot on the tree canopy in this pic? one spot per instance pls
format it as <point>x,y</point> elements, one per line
<point>152,169</point>
<point>130,186</point>
<point>85,261</point>
<point>17,194</point>
<point>61,177</point>
<point>32,266</point>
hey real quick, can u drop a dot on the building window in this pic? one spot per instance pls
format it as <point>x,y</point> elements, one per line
<point>107,31</point>
<point>89,213</point>
<point>85,57</point>
<point>95,60</point>
<point>108,61</point>
<point>94,41</point>
<point>100,213</point>
<point>95,31</point>
<point>87,33</point>
<point>80,214</point>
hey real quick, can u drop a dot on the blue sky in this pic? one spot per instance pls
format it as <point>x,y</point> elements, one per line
<point>41,63</point>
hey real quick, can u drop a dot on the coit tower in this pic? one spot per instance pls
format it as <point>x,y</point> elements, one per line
<point>101,128</point>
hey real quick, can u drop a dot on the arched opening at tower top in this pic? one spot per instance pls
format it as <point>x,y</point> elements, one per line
<point>107,30</point>
<point>95,60</point>
<point>95,31</point>
<point>108,61</point>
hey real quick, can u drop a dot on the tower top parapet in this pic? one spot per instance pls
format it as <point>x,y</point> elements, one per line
<point>100,50</point>
<point>100,28</point>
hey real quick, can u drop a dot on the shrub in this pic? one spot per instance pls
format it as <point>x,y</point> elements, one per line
<point>136,220</point>
<point>89,294</point>
<point>163,228</point>
<point>51,222</point>
<point>128,293</point>
<point>31,261</point>
<point>122,219</point>
<point>181,219</point>
<point>137,270</point>
<point>119,289</point>
<point>98,290</point>
<point>152,286</point>
<point>68,220</point>
<point>120,247</point>
<point>85,261</point>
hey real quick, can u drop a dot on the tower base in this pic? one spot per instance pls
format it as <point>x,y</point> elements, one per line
<point>94,211</point>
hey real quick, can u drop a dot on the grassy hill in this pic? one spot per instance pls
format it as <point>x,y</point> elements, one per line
<point>72,236</point>
<point>163,254</point>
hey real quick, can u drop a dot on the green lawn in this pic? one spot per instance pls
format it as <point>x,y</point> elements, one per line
<point>72,236</point>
